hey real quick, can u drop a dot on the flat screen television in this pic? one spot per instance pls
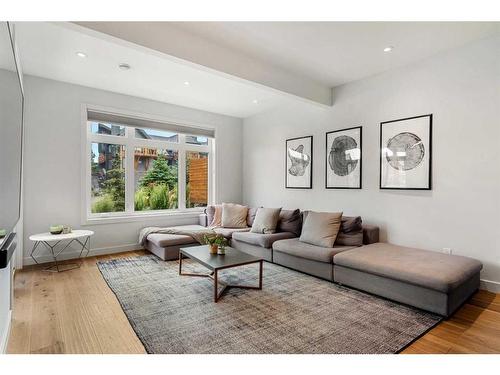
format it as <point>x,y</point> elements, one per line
<point>11,132</point>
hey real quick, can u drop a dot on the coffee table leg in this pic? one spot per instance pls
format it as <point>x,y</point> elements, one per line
<point>180,263</point>
<point>260,274</point>
<point>216,298</point>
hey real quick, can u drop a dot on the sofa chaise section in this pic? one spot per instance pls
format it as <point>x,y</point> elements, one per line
<point>428,280</point>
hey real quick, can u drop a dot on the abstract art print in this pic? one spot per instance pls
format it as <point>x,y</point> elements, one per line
<point>343,159</point>
<point>406,153</point>
<point>299,163</point>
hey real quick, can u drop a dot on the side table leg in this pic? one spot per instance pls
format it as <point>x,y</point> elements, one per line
<point>33,251</point>
<point>53,255</point>
<point>85,246</point>
<point>180,263</point>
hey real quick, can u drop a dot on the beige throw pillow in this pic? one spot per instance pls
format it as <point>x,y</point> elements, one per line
<point>266,220</point>
<point>321,228</point>
<point>234,215</point>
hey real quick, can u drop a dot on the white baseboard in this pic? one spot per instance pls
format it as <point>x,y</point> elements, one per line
<point>4,340</point>
<point>46,258</point>
<point>491,286</point>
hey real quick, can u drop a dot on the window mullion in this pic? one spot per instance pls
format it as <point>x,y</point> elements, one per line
<point>129,169</point>
<point>212,199</point>
<point>182,175</point>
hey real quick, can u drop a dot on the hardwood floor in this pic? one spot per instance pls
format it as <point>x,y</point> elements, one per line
<point>76,312</point>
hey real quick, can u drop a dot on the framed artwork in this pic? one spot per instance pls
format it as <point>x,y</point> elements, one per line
<point>298,156</point>
<point>406,153</point>
<point>343,164</point>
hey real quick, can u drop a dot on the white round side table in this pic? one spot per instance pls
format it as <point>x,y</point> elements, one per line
<point>50,241</point>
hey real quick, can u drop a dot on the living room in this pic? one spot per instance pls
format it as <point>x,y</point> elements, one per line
<point>294,185</point>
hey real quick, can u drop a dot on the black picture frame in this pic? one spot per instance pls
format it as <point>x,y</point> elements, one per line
<point>308,138</point>
<point>327,151</point>
<point>429,161</point>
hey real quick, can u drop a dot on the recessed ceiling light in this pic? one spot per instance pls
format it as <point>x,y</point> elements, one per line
<point>81,54</point>
<point>186,83</point>
<point>388,49</point>
<point>124,66</point>
<point>255,101</point>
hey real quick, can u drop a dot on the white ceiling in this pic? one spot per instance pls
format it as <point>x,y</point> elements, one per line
<point>49,50</point>
<point>338,52</point>
<point>331,53</point>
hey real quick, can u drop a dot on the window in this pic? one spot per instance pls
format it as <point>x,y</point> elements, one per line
<point>196,179</point>
<point>107,178</point>
<point>156,179</point>
<point>108,129</point>
<point>139,170</point>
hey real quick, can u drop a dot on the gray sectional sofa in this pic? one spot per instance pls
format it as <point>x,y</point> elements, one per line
<point>428,280</point>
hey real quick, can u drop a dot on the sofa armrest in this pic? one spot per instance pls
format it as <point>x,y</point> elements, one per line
<point>370,234</point>
<point>203,220</point>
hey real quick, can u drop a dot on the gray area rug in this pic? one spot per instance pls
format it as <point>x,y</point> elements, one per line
<point>294,313</point>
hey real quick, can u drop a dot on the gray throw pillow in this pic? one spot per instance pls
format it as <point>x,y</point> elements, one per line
<point>321,228</point>
<point>266,220</point>
<point>351,232</point>
<point>290,221</point>
<point>234,215</point>
<point>252,211</point>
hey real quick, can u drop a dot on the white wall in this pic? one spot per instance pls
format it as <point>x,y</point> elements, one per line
<point>462,89</point>
<point>53,182</point>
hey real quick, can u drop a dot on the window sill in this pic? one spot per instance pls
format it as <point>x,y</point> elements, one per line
<point>150,216</point>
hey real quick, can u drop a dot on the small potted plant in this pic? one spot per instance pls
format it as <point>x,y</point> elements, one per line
<point>223,242</point>
<point>215,243</point>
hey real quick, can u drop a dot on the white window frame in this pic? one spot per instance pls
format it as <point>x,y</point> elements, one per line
<point>130,143</point>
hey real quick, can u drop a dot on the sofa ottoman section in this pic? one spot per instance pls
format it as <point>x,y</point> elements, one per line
<point>166,246</point>
<point>428,280</point>
<point>258,244</point>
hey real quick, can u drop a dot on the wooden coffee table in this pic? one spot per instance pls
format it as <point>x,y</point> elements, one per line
<point>215,263</point>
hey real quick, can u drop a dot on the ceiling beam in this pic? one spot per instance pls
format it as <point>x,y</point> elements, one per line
<point>168,39</point>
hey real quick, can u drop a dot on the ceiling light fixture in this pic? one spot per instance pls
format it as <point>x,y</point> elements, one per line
<point>186,83</point>
<point>388,49</point>
<point>124,66</point>
<point>255,101</point>
<point>81,54</point>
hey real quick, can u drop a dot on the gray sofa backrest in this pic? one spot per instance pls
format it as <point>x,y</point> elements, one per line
<point>370,232</point>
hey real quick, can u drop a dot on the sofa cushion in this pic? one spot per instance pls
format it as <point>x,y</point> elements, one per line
<point>234,215</point>
<point>228,232</point>
<point>351,231</point>
<point>165,240</point>
<point>290,221</point>
<point>252,211</point>
<point>260,239</point>
<point>425,268</point>
<point>216,220</point>
<point>266,220</point>
<point>210,211</point>
<point>301,249</point>
<point>321,228</point>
